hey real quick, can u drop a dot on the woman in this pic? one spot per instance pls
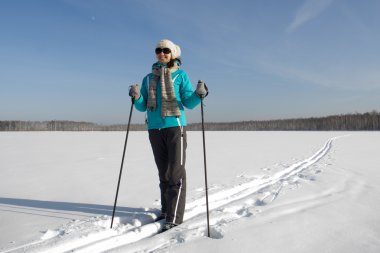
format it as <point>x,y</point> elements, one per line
<point>164,94</point>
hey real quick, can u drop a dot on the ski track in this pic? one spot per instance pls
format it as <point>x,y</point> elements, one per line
<point>94,234</point>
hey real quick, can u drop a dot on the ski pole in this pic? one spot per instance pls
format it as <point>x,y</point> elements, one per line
<point>122,162</point>
<point>205,168</point>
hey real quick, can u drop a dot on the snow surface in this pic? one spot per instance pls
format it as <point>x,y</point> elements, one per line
<point>268,192</point>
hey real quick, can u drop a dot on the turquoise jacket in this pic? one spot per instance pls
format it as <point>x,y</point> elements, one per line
<point>184,92</point>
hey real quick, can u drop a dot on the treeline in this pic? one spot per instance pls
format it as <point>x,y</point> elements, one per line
<point>63,125</point>
<point>347,122</point>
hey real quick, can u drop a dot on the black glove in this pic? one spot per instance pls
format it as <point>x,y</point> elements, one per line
<point>202,90</point>
<point>134,92</point>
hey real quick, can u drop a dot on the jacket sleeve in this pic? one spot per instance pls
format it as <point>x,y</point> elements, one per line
<point>188,96</point>
<point>141,103</point>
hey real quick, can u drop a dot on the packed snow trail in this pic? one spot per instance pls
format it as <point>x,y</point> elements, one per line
<point>94,235</point>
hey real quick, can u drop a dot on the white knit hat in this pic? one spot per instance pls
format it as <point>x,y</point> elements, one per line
<point>176,50</point>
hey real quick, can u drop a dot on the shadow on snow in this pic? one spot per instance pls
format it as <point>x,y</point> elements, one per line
<point>28,206</point>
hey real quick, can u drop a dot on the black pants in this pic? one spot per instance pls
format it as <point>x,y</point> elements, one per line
<point>169,150</point>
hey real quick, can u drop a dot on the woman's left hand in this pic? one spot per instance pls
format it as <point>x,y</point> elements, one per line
<point>202,90</point>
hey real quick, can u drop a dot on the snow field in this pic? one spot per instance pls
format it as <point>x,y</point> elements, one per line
<point>250,195</point>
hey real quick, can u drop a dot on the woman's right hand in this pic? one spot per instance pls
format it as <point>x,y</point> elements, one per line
<point>134,92</point>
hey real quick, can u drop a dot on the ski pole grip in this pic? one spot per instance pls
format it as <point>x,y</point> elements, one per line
<point>201,91</point>
<point>133,93</point>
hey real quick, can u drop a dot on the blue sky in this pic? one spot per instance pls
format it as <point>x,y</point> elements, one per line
<point>75,59</point>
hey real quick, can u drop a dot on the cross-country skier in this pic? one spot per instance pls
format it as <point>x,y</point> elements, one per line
<point>163,94</point>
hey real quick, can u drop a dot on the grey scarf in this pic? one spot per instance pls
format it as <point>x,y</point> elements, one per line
<point>169,104</point>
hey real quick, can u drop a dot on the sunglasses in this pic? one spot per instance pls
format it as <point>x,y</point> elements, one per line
<point>163,50</point>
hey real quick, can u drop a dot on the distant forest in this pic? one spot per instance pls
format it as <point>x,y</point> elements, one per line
<point>350,122</point>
